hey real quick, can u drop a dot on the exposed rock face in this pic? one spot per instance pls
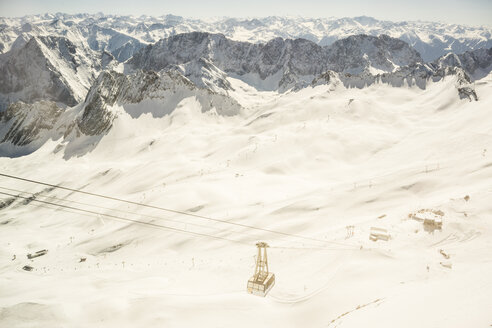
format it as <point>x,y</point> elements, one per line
<point>476,63</point>
<point>290,60</point>
<point>46,68</point>
<point>31,125</point>
<point>360,60</point>
<point>463,83</point>
<point>107,60</point>
<point>27,75</point>
<point>368,54</point>
<point>95,118</point>
<point>465,67</point>
<point>60,71</point>
<point>205,74</point>
<point>329,78</point>
<point>22,124</point>
<point>169,88</point>
<point>300,56</point>
<point>418,75</point>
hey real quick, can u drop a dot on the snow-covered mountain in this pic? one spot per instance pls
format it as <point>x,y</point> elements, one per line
<point>477,63</point>
<point>26,127</point>
<point>278,64</point>
<point>98,38</point>
<point>138,174</point>
<point>124,35</point>
<point>162,91</point>
<point>326,165</point>
<point>48,68</point>
<point>281,65</point>
<point>57,61</point>
<point>369,54</point>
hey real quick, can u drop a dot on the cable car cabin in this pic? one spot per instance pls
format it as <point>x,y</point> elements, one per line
<point>263,280</point>
<point>261,287</point>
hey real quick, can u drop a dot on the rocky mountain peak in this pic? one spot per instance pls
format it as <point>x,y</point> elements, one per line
<point>289,62</point>
<point>365,53</point>
<point>476,63</point>
<point>48,68</point>
<point>167,88</point>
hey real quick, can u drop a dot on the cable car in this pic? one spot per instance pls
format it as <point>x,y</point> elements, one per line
<point>263,280</point>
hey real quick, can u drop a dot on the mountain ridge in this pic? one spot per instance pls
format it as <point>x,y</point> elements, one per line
<point>57,77</point>
<point>128,33</point>
<point>293,62</point>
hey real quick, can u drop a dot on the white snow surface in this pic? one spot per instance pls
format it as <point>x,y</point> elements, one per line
<point>307,163</point>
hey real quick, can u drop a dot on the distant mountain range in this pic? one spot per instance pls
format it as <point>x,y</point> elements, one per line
<point>122,36</point>
<point>74,69</point>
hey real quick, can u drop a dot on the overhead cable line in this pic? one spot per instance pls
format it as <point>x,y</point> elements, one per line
<point>127,212</point>
<point>163,227</point>
<point>155,225</point>
<point>172,210</point>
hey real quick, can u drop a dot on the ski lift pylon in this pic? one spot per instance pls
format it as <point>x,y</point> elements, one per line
<point>263,280</point>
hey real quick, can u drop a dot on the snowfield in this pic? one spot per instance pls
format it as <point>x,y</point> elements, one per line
<point>308,164</point>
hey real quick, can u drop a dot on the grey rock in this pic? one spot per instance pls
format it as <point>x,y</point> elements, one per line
<point>22,124</point>
<point>290,59</point>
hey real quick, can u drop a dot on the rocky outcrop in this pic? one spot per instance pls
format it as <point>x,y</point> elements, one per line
<point>22,124</point>
<point>463,84</point>
<point>476,63</point>
<point>369,54</point>
<point>415,75</point>
<point>167,88</point>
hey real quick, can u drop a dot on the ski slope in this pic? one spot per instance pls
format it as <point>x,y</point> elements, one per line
<point>305,164</point>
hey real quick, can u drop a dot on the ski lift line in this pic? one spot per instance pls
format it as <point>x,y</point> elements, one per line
<point>316,248</point>
<point>49,207</point>
<point>156,217</point>
<point>171,210</point>
<point>111,209</point>
<point>139,214</point>
<point>73,210</point>
<point>155,225</point>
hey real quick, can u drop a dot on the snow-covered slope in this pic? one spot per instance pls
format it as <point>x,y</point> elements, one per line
<point>124,35</point>
<point>325,163</point>
<point>230,138</point>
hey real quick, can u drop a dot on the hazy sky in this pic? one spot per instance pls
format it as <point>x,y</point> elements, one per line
<point>470,12</point>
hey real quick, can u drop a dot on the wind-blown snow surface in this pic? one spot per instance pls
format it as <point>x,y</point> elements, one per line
<point>308,163</point>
